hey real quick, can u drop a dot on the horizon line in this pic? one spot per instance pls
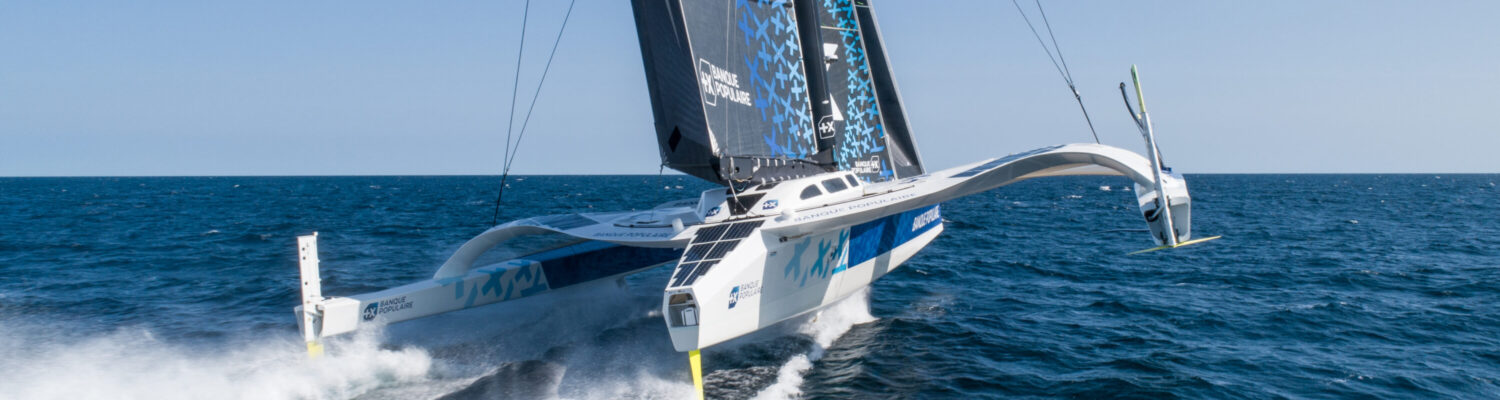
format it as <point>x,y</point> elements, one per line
<point>678,174</point>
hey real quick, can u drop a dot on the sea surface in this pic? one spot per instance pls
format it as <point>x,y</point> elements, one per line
<point>1324,286</point>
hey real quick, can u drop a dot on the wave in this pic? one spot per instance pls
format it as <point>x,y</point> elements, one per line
<point>134,363</point>
<point>823,328</point>
<point>606,341</point>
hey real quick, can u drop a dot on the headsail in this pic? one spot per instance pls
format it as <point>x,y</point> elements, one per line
<point>903,149</point>
<point>765,90</point>
<point>872,138</point>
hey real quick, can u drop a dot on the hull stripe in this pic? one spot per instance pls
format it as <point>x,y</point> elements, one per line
<point>589,261</point>
<point>872,239</point>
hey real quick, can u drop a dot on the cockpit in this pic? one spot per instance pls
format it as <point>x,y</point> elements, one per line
<point>833,185</point>
<point>777,198</point>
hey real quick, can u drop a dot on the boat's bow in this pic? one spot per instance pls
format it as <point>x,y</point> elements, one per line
<point>802,244</point>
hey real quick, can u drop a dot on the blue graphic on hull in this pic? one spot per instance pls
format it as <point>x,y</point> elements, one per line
<point>794,267</point>
<point>370,311</point>
<point>864,242</point>
<point>871,239</point>
<point>558,268</point>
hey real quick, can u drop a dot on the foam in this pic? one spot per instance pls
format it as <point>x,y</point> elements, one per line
<point>824,327</point>
<point>132,363</point>
<point>609,340</point>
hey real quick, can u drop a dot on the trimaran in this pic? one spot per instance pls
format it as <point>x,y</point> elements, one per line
<point>792,107</point>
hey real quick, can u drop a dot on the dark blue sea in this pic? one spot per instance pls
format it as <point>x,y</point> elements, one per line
<point>1324,286</point>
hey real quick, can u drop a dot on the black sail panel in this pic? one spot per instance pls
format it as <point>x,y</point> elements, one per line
<point>728,87</point>
<point>681,131</point>
<point>903,148</point>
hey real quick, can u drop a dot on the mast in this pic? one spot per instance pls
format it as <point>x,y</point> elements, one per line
<point>872,138</point>
<point>817,80</point>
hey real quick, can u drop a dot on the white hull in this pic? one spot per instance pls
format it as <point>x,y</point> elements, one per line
<point>505,281</point>
<point>777,280</point>
<point>745,260</point>
<point>797,253</point>
<point>583,248</point>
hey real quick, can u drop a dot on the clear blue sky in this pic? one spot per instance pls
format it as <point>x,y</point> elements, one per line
<point>298,88</point>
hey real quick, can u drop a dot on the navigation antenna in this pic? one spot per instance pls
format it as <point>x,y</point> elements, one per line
<point>509,157</point>
<point>1062,68</point>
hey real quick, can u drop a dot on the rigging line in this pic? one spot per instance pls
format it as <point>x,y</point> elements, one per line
<point>724,111</point>
<point>510,125</point>
<point>1062,69</point>
<point>659,169</point>
<point>1042,42</point>
<point>1069,72</point>
<point>1086,116</point>
<point>515,85</point>
<point>510,159</point>
<point>1054,41</point>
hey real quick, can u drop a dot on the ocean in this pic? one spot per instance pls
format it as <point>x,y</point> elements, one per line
<point>1324,286</point>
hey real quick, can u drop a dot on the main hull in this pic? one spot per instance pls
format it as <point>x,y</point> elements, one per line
<point>771,252</point>
<point>769,278</point>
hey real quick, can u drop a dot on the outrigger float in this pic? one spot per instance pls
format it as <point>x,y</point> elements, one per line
<point>808,214</point>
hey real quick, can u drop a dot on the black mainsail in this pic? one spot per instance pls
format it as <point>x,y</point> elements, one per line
<point>741,94</point>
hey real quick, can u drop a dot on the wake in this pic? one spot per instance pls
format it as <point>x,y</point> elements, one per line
<point>826,326</point>
<point>603,342</point>
<point>135,364</point>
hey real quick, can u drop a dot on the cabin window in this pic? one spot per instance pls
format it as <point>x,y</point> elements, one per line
<point>834,185</point>
<point>811,192</point>
<point>852,181</point>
